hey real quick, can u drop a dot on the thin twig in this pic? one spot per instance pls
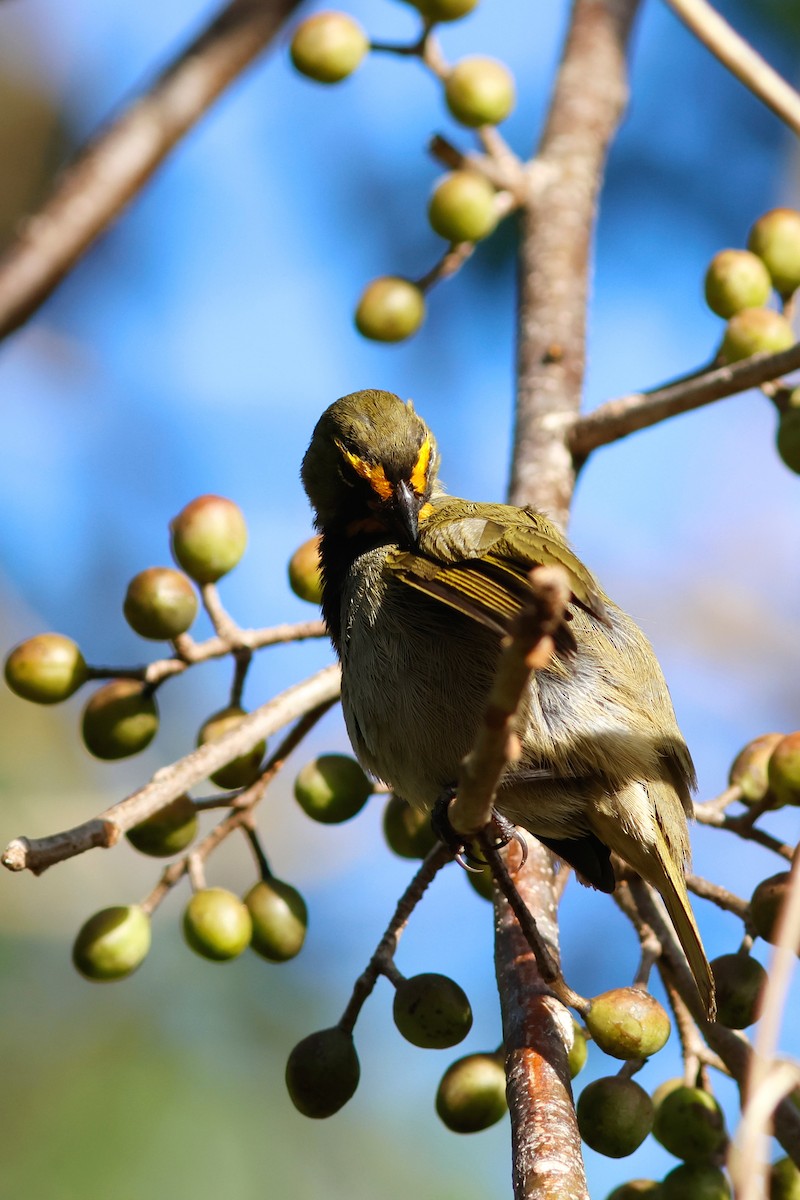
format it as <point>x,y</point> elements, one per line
<point>114,166</point>
<point>383,959</point>
<point>628,414</point>
<point>37,854</point>
<point>742,826</point>
<point>740,58</point>
<point>718,895</point>
<point>528,647</point>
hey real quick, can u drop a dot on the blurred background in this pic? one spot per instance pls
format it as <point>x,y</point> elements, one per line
<point>191,352</point>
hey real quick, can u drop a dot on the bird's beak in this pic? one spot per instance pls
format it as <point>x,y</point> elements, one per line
<point>406,505</point>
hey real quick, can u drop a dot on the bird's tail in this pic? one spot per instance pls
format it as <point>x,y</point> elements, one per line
<point>656,862</point>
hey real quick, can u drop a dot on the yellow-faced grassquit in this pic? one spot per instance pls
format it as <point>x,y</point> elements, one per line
<point>419,588</point>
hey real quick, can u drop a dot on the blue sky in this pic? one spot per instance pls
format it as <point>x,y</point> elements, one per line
<point>194,348</point>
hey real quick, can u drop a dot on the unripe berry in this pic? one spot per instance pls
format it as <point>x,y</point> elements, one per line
<point>578,1052</point>
<point>168,831</point>
<point>444,10</point>
<point>738,982</point>
<point>46,669</point>
<point>279,917</point>
<point>112,943</point>
<point>749,770</point>
<point>304,573</point>
<point>783,769</point>
<point>120,719</point>
<point>483,882</point>
<point>160,603</point>
<point>775,238</point>
<point>480,91</point>
<point>766,903</point>
<point>472,1093</point>
<point>627,1023</point>
<point>637,1189</point>
<point>462,207</point>
<point>784,1180</point>
<point>332,788</point>
<point>432,1011</point>
<point>736,279</point>
<point>615,1115</point>
<point>216,924</point>
<point>689,1123</point>
<point>787,436</point>
<point>209,536</point>
<point>700,1182</point>
<point>391,309</point>
<point>408,831</point>
<point>323,1072</point>
<point>755,331</point>
<point>243,770</point>
<point>328,47</point>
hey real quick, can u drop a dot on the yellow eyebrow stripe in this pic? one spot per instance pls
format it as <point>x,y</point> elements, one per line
<point>419,476</point>
<point>374,474</point>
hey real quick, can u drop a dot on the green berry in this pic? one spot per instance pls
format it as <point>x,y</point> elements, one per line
<point>112,943</point>
<point>749,770</point>
<point>664,1089</point>
<point>46,669</point>
<point>323,1072</point>
<point>216,924</point>
<point>755,331</point>
<point>784,1180</point>
<point>766,903</point>
<point>787,438</point>
<point>246,768</point>
<point>209,536</point>
<point>699,1182</point>
<point>120,719</point>
<point>305,579</point>
<point>738,982</point>
<point>160,603</point>
<point>483,882</point>
<point>462,207</point>
<point>578,1052</point>
<point>628,1023</point>
<point>432,1011</point>
<point>775,238</point>
<point>328,47</point>
<point>332,788</point>
<point>615,1115</point>
<point>279,917</point>
<point>391,309</point>
<point>472,1093</point>
<point>168,831</point>
<point>783,769</point>
<point>637,1189</point>
<point>736,279</point>
<point>444,10</point>
<point>408,831</point>
<point>689,1123</point>
<point>480,91</point>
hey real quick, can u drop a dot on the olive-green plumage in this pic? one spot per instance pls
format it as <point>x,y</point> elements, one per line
<point>419,587</point>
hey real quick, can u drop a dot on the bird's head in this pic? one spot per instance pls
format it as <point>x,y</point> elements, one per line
<point>371,467</point>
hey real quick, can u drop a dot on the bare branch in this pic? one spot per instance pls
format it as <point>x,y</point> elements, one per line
<point>557,222</point>
<point>740,58</point>
<point>37,854</point>
<point>639,410</point>
<point>118,161</point>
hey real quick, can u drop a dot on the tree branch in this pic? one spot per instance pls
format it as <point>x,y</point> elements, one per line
<point>557,223</point>
<point>37,854</point>
<point>639,410</point>
<point>740,58</point>
<point>119,160</point>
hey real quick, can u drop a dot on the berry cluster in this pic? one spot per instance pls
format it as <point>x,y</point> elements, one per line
<point>467,203</point>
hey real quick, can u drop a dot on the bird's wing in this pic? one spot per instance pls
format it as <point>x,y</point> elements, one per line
<point>478,561</point>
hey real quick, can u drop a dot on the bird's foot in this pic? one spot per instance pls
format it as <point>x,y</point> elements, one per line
<point>467,854</point>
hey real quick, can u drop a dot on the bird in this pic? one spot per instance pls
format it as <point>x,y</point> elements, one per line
<point>418,590</point>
